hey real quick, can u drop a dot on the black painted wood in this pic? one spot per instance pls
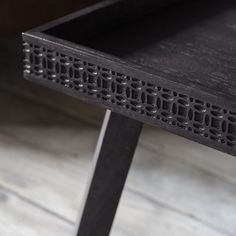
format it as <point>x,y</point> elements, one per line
<point>173,68</point>
<point>191,43</point>
<point>112,160</point>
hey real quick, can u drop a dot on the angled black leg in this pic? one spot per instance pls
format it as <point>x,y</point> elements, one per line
<point>112,160</point>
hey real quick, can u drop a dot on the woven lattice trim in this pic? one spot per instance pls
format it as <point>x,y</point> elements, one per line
<point>134,94</point>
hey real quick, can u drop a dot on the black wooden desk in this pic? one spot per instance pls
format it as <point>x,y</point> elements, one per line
<point>173,68</point>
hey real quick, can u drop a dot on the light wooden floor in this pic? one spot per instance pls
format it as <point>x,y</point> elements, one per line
<point>175,187</point>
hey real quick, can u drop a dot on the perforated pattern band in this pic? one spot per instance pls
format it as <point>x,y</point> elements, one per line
<point>159,104</point>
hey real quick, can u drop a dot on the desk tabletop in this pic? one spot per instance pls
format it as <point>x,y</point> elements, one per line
<point>192,43</point>
<point>174,68</point>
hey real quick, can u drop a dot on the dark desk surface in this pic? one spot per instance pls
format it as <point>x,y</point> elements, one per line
<point>191,43</point>
<point>174,68</point>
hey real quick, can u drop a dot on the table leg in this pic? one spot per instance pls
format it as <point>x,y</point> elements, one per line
<point>113,156</point>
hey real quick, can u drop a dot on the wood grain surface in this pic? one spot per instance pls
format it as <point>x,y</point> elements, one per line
<point>192,43</point>
<point>175,187</point>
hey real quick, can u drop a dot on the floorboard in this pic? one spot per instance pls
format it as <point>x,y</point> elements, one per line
<point>175,187</point>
